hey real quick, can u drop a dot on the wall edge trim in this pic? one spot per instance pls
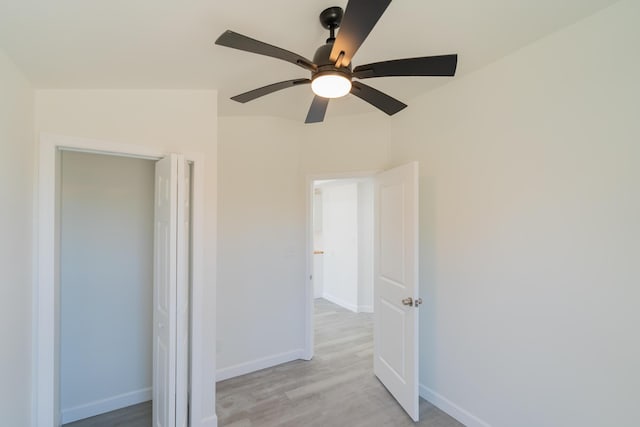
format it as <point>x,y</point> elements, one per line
<point>258,364</point>
<point>342,303</point>
<point>451,408</point>
<point>107,404</point>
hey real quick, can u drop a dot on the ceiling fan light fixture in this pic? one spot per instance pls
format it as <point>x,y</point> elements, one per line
<point>330,85</point>
<point>332,70</point>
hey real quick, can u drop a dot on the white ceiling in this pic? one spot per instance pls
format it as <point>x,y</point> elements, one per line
<point>168,44</point>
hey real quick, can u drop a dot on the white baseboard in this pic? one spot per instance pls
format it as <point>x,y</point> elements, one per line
<point>340,302</point>
<point>101,406</point>
<point>365,309</point>
<point>211,421</point>
<point>444,404</point>
<point>256,365</point>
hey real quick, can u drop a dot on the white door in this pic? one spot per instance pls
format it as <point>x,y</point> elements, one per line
<point>184,234</point>
<point>396,284</point>
<point>169,282</point>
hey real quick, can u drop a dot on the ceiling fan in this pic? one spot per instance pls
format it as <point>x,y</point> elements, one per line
<point>331,70</point>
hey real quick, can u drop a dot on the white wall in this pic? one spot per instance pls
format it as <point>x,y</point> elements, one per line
<point>356,143</point>
<point>530,230</point>
<point>365,246</point>
<point>106,283</point>
<point>16,213</point>
<point>169,121</point>
<point>261,258</point>
<point>264,163</point>
<point>340,237</point>
<point>318,244</point>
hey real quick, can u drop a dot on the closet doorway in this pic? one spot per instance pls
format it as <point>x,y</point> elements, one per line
<point>175,257</point>
<point>106,283</point>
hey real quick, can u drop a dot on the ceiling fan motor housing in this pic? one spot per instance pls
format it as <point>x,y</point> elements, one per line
<point>325,65</point>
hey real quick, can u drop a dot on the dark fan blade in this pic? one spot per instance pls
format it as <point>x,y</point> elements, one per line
<point>238,41</point>
<point>359,18</point>
<point>376,98</point>
<point>317,110</point>
<point>266,90</point>
<point>444,65</point>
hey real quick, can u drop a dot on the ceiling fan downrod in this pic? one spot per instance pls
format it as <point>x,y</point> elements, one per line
<point>330,18</point>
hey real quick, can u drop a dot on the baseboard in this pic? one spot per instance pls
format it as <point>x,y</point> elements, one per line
<point>258,364</point>
<point>444,404</point>
<point>365,309</point>
<point>211,421</point>
<point>101,406</point>
<point>340,302</point>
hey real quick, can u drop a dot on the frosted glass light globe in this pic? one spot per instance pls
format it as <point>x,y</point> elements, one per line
<point>331,85</point>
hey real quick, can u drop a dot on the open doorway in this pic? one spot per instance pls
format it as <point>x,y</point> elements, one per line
<point>345,199</point>
<point>395,290</point>
<point>178,268</point>
<point>340,302</point>
<point>342,218</point>
<point>124,289</point>
<point>342,272</point>
<point>106,284</point>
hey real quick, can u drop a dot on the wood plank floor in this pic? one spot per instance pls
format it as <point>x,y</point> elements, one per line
<point>335,389</point>
<point>131,416</point>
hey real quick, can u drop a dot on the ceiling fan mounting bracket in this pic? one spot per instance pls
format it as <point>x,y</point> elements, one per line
<point>331,18</point>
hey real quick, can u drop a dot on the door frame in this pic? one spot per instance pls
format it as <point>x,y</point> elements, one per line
<point>309,338</point>
<point>45,298</point>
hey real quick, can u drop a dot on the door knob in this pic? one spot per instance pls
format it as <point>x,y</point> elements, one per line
<point>407,301</point>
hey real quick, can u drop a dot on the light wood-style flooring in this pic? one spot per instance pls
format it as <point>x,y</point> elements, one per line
<point>131,416</point>
<point>335,389</point>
